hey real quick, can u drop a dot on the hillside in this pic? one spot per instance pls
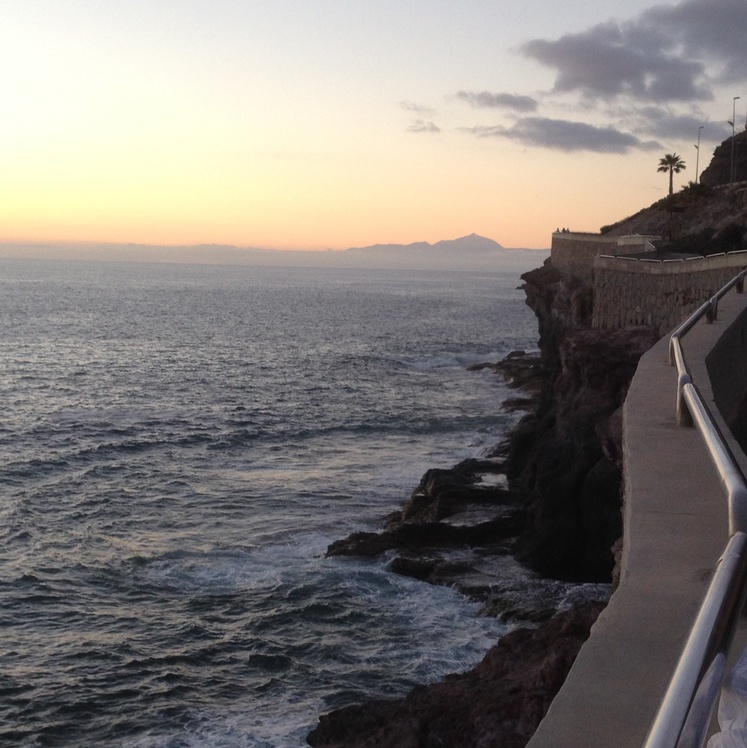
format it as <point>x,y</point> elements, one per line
<point>701,218</point>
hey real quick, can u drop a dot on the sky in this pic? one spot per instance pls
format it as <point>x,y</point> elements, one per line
<point>290,124</point>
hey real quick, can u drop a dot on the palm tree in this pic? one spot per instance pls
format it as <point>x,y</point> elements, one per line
<point>674,165</point>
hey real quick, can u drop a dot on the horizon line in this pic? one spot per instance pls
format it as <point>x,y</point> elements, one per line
<point>88,243</point>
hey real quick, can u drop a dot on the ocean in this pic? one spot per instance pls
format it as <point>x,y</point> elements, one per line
<point>181,443</point>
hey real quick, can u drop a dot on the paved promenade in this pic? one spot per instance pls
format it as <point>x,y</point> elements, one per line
<point>675,530</point>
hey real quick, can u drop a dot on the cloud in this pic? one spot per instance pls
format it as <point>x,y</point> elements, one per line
<point>710,29</point>
<point>411,106</point>
<point>663,123</point>
<point>565,135</point>
<point>625,85</point>
<point>420,125</point>
<point>610,60</point>
<point>669,53</point>
<point>488,100</point>
<point>424,123</point>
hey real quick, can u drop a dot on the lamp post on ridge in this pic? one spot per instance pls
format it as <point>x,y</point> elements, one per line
<point>733,120</point>
<point>697,154</point>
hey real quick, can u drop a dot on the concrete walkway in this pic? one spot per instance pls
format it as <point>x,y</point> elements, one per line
<point>675,530</point>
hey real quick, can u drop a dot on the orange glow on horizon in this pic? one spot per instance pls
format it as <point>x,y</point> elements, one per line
<point>120,128</point>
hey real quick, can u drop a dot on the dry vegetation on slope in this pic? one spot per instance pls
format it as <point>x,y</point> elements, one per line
<point>702,218</point>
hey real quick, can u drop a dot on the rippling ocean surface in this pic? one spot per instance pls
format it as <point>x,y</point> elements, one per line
<point>179,446</point>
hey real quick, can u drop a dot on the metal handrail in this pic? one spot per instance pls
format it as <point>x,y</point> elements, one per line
<point>685,711</point>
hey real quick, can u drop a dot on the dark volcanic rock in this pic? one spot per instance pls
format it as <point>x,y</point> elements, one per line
<point>417,568</point>
<point>566,455</point>
<point>719,170</point>
<point>441,494</point>
<point>519,369</point>
<point>414,535</point>
<point>434,569</point>
<point>498,704</point>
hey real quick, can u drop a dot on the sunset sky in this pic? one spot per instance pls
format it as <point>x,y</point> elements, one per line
<point>337,123</point>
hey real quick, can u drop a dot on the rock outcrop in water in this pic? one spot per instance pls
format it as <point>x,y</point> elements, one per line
<point>428,519</point>
<point>457,522</point>
<point>560,512</point>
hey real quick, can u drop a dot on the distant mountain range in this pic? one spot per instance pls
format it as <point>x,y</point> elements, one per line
<point>472,244</point>
<point>471,252</point>
<point>466,253</point>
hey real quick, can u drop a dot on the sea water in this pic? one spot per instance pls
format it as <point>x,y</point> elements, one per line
<point>179,446</point>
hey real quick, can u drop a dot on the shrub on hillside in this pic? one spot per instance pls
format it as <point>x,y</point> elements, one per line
<point>730,238</point>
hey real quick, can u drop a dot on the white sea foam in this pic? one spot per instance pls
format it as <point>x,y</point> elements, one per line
<point>212,573</point>
<point>265,567</point>
<point>246,728</point>
<point>461,360</point>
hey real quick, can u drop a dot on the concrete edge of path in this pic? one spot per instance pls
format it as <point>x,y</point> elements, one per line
<point>675,528</point>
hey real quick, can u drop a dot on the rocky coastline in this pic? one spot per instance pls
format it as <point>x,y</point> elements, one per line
<point>548,500</point>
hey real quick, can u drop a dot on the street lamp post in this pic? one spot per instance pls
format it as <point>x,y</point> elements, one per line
<point>733,133</point>
<point>697,155</point>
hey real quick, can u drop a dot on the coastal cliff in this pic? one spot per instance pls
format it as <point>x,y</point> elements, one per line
<point>566,457</point>
<point>560,511</point>
<point>559,514</point>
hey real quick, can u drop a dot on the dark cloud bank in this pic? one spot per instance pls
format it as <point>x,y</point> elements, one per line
<point>487,100</point>
<point>648,77</point>
<point>564,135</point>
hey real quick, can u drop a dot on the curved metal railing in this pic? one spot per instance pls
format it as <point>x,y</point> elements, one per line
<point>684,714</point>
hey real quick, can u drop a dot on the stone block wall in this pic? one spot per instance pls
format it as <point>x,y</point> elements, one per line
<point>660,294</point>
<point>574,252</point>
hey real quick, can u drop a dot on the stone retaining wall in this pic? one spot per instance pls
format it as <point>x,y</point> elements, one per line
<point>660,294</point>
<point>574,253</point>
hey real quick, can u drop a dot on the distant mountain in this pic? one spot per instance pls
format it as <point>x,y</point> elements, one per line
<point>472,244</point>
<point>471,252</point>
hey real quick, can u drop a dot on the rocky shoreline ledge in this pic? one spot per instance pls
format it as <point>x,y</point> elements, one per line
<point>547,501</point>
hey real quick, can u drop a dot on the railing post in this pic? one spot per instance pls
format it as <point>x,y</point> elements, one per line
<point>738,507</point>
<point>672,359</point>
<point>682,412</point>
<point>712,311</point>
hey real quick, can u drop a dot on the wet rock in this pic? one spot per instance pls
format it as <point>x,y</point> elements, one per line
<point>434,570</point>
<point>522,370</point>
<point>513,404</point>
<point>417,568</point>
<point>415,535</point>
<point>442,513</point>
<point>364,544</point>
<point>443,492</point>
